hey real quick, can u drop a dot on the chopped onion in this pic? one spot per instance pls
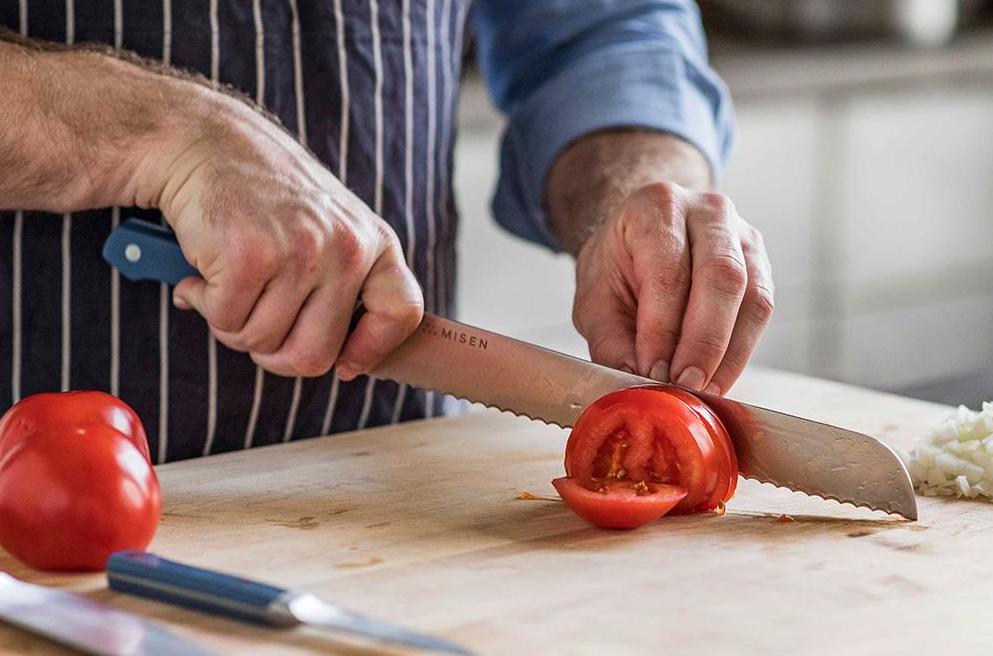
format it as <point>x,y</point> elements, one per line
<point>957,458</point>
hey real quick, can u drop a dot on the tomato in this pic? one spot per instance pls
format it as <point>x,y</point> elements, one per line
<point>618,504</point>
<point>654,435</point>
<point>72,410</point>
<point>68,501</point>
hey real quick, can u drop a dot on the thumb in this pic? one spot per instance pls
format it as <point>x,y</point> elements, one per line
<point>189,294</point>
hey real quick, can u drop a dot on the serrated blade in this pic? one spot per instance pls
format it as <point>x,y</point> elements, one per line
<point>772,447</point>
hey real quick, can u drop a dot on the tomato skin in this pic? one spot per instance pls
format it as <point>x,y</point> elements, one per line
<point>656,434</point>
<point>619,505</point>
<point>71,410</point>
<point>67,504</point>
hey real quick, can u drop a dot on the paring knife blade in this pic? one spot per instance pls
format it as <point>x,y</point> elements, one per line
<point>514,376</point>
<point>85,625</point>
<point>148,575</point>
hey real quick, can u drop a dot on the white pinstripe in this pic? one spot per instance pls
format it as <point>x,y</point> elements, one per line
<point>115,317</point>
<point>429,208</point>
<point>115,275</point>
<point>70,22</point>
<point>67,245</point>
<point>291,418</point>
<point>345,100</point>
<point>253,415</point>
<point>15,314</point>
<point>215,45</point>
<point>118,25</point>
<point>441,300</point>
<point>163,287</point>
<point>166,32</point>
<point>66,300</point>
<point>15,292</point>
<point>345,118</point>
<point>377,59</point>
<point>408,169</point>
<point>215,66</point>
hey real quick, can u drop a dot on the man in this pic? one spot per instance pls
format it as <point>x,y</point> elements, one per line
<point>616,127</point>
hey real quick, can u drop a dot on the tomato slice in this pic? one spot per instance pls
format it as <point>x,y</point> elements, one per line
<point>618,504</point>
<point>729,469</point>
<point>659,435</point>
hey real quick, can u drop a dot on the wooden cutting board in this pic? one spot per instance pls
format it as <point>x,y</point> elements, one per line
<point>420,524</point>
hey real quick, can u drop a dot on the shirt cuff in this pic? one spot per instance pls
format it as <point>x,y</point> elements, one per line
<point>651,87</point>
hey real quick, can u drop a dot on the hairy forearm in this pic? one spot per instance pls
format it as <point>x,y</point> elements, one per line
<point>591,178</point>
<point>82,128</point>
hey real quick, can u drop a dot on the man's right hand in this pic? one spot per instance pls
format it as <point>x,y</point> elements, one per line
<point>284,250</point>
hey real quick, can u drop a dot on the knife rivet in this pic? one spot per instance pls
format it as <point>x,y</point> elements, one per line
<point>132,253</point>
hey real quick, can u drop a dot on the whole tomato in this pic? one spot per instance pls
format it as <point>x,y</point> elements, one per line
<point>71,409</point>
<point>67,504</point>
<point>74,487</point>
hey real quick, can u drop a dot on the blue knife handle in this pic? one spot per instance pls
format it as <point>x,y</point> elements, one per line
<point>141,250</point>
<point>147,575</point>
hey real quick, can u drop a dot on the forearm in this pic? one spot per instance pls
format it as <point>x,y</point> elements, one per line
<point>82,129</point>
<point>591,178</point>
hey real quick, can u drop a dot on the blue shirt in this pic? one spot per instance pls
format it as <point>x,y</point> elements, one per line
<point>560,69</point>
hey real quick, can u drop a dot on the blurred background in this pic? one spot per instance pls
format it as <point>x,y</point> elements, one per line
<point>864,153</point>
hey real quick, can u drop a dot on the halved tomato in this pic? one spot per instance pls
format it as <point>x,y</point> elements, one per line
<point>618,504</point>
<point>654,435</point>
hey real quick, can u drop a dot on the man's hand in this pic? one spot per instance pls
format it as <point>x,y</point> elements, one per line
<point>285,251</point>
<point>670,283</point>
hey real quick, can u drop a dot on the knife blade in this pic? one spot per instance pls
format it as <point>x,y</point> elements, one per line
<point>145,574</point>
<point>85,625</point>
<point>524,379</point>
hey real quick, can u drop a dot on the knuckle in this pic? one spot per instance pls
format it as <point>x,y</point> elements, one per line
<point>717,202</point>
<point>726,273</point>
<point>708,346</point>
<point>759,304</point>
<point>310,363</point>
<point>664,192</point>
<point>671,277</point>
<point>253,257</point>
<point>309,246</point>
<point>349,249</point>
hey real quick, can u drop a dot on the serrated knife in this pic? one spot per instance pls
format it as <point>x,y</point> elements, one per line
<point>514,376</point>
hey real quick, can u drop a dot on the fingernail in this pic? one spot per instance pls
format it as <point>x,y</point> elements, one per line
<point>180,302</point>
<point>713,388</point>
<point>626,369</point>
<point>691,378</point>
<point>660,371</point>
<point>345,371</point>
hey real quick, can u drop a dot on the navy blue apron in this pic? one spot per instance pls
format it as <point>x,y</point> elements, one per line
<point>369,86</point>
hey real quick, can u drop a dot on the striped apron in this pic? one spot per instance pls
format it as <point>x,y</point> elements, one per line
<point>368,85</point>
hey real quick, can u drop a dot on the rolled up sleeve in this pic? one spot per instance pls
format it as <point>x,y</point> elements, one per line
<point>561,69</point>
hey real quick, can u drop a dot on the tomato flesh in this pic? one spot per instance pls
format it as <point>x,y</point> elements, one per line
<point>618,503</point>
<point>656,435</point>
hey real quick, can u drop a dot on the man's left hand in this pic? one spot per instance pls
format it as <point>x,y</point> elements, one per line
<point>670,283</point>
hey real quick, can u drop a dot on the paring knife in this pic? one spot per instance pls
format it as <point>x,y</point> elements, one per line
<point>514,376</point>
<point>148,575</point>
<point>85,625</point>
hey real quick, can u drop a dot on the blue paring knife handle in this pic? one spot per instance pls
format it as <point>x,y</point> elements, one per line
<point>147,575</point>
<point>142,250</point>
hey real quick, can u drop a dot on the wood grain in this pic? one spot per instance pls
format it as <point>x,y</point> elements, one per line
<point>420,524</point>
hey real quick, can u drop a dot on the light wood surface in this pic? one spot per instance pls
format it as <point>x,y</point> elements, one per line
<point>419,524</point>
